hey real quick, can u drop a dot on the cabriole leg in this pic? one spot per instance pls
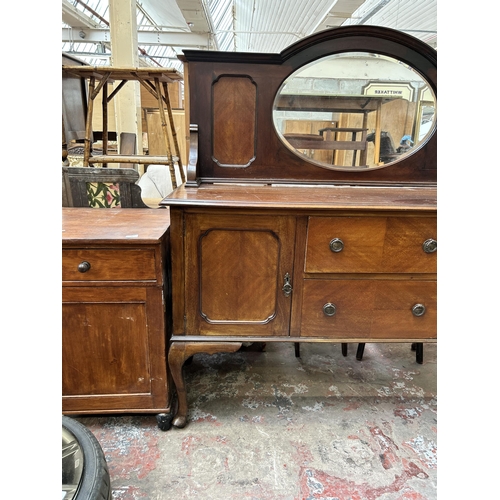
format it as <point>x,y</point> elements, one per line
<point>179,352</point>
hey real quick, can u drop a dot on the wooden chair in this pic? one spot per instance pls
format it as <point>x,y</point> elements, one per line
<point>416,346</point>
<point>101,187</point>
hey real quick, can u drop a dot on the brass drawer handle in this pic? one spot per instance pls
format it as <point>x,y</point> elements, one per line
<point>418,310</point>
<point>329,309</point>
<point>430,245</point>
<point>84,266</point>
<point>336,245</point>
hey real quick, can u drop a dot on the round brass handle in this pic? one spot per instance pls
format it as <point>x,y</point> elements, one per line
<point>336,245</point>
<point>430,245</point>
<point>84,266</point>
<point>418,310</point>
<point>329,309</point>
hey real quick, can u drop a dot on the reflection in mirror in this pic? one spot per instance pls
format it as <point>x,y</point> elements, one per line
<point>354,111</point>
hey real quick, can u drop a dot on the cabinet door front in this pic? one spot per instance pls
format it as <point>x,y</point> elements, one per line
<point>236,268</point>
<point>107,337</point>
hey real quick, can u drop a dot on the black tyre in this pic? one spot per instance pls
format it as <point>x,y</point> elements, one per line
<point>85,473</point>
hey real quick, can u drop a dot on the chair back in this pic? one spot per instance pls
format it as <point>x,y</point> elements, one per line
<point>101,187</point>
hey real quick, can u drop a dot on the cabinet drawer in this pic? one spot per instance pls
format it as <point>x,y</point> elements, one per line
<point>108,265</point>
<point>370,245</point>
<point>378,309</point>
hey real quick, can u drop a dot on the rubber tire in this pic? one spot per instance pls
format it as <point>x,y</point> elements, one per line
<point>95,483</point>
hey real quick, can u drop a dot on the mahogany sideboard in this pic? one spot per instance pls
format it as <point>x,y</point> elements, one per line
<point>276,244</point>
<point>116,312</point>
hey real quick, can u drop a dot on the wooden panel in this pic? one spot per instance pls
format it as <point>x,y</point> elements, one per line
<point>234,118</point>
<point>110,354</point>
<point>397,118</point>
<point>111,403</point>
<point>247,288</point>
<point>380,309</point>
<point>156,139</point>
<point>148,100</point>
<point>97,111</point>
<point>371,245</point>
<point>112,264</point>
<point>235,269</point>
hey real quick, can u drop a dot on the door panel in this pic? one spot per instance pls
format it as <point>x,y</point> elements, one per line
<point>105,342</point>
<point>235,268</point>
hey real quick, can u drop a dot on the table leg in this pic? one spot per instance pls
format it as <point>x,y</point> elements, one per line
<point>179,352</point>
<point>165,133</point>
<point>88,124</point>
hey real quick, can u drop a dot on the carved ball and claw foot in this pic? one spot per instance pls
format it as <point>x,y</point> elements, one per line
<point>179,352</point>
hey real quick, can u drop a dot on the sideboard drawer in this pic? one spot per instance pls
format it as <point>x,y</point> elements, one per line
<point>377,309</point>
<point>109,265</point>
<point>371,245</point>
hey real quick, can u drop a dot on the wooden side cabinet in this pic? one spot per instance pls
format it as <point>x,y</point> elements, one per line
<point>115,312</point>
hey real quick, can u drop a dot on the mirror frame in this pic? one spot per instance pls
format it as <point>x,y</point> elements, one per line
<point>325,142</point>
<point>253,152</point>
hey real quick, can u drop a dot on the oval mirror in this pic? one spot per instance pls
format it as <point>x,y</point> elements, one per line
<point>354,111</point>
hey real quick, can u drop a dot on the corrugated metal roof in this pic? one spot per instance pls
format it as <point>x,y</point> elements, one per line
<point>263,26</point>
<point>234,25</point>
<point>415,17</point>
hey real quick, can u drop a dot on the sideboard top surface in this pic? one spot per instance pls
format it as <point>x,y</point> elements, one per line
<point>305,197</point>
<point>112,225</point>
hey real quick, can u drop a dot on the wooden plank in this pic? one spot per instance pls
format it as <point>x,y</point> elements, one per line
<point>143,160</point>
<point>123,72</point>
<point>156,142</point>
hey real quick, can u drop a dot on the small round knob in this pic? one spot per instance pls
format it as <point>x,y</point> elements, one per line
<point>418,310</point>
<point>84,266</point>
<point>336,245</point>
<point>429,245</point>
<point>329,309</point>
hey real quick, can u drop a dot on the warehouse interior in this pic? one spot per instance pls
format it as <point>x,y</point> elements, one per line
<point>263,422</point>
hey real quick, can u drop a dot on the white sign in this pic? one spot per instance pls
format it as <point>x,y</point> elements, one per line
<point>402,90</point>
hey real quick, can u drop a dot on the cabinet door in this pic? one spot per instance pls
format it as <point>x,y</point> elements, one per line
<point>113,349</point>
<point>236,267</point>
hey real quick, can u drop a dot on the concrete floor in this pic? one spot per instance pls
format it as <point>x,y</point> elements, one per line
<point>268,425</point>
